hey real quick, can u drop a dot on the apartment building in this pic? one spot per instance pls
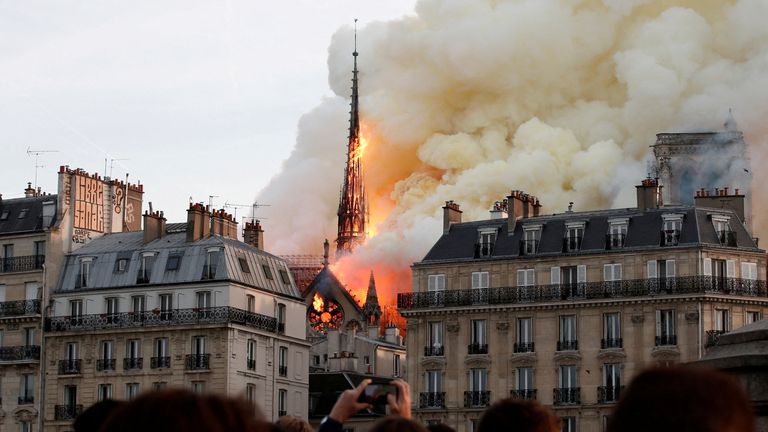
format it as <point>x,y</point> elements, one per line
<point>567,308</point>
<point>175,305</point>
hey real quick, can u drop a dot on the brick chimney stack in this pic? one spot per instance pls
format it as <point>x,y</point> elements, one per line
<point>451,215</point>
<point>521,205</point>
<point>198,222</point>
<point>223,224</point>
<point>649,194</point>
<point>253,234</point>
<point>29,192</point>
<point>722,198</point>
<point>154,226</point>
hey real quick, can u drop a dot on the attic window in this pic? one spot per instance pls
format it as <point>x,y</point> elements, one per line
<point>529,245</point>
<point>173,262</point>
<point>84,276</point>
<point>574,235</point>
<point>485,242</point>
<point>723,229</point>
<point>670,231</point>
<point>121,265</point>
<point>617,233</point>
<point>267,272</point>
<point>22,214</point>
<point>211,263</point>
<point>146,262</point>
<point>5,214</point>
<point>284,277</point>
<point>244,265</point>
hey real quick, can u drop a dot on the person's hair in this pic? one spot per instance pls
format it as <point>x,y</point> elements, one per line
<point>178,409</point>
<point>397,424</point>
<point>92,418</point>
<point>440,427</point>
<point>293,424</point>
<point>683,399</point>
<point>522,415</point>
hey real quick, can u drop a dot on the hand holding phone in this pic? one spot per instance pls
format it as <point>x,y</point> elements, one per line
<point>376,394</point>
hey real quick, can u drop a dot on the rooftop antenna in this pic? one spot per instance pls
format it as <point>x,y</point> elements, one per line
<point>112,164</point>
<point>253,208</point>
<point>37,154</point>
<point>210,201</point>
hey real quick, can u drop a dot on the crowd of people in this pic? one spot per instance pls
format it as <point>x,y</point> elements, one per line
<point>679,399</point>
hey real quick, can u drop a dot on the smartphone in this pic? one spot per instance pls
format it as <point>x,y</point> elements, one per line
<point>376,394</point>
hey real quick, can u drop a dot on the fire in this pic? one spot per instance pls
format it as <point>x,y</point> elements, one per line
<point>359,150</point>
<point>318,302</point>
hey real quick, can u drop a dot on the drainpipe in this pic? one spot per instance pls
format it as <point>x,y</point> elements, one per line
<point>41,383</point>
<point>701,331</point>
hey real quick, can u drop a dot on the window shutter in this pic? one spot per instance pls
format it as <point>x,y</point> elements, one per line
<point>581,273</point>
<point>530,278</point>
<point>730,268</point>
<point>484,279</point>
<point>658,323</point>
<point>554,276</point>
<point>745,271</point>
<point>707,266</point>
<point>475,280</point>
<point>651,273</point>
<point>608,272</point>
<point>521,278</point>
<point>617,272</point>
<point>670,268</point>
<point>441,282</point>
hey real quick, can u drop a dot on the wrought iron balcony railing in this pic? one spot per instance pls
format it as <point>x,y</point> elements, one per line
<point>523,347</point>
<point>608,394</point>
<point>665,340</point>
<point>178,317</point>
<point>432,400</point>
<point>198,361</point>
<point>19,308</point>
<point>434,350</point>
<point>283,371</point>
<point>476,399</point>
<point>103,364</point>
<point>727,238</point>
<point>22,263</point>
<point>713,336</point>
<point>250,364</point>
<point>67,412</point>
<point>567,345</point>
<point>529,247</point>
<point>159,362</point>
<point>70,367</point>
<point>483,250</point>
<point>476,348</point>
<point>281,413</point>
<point>281,327</point>
<point>20,353</point>
<point>629,288</point>
<point>614,241</point>
<point>26,400</point>
<point>133,363</point>
<point>611,343</point>
<point>566,396</point>
<point>528,394</point>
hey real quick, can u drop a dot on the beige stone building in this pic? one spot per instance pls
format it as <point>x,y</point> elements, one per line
<point>175,305</point>
<point>567,308</point>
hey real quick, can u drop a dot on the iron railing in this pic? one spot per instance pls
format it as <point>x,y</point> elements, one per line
<point>434,350</point>
<point>19,308</point>
<point>214,315</point>
<point>198,361</point>
<point>483,250</point>
<point>281,413</point>
<point>159,362</point>
<point>250,364</point>
<point>523,347</point>
<point>566,396</point>
<point>283,371</point>
<point>608,394</point>
<point>133,363</point>
<point>713,336</point>
<point>629,288</point>
<point>432,400</point>
<point>26,400</point>
<point>67,412</point>
<point>22,263</point>
<point>665,340</point>
<point>529,247</point>
<point>528,394</point>
<point>670,237</point>
<point>567,345</point>
<point>19,353</point>
<point>611,343</point>
<point>70,366</point>
<point>477,348</point>
<point>105,364</point>
<point>474,399</point>
<point>614,241</point>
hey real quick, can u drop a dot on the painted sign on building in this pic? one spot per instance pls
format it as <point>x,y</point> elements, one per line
<point>89,203</point>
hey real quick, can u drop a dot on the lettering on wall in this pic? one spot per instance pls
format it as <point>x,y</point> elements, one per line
<point>118,200</point>
<point>81,236</point>
<point>89,204</point>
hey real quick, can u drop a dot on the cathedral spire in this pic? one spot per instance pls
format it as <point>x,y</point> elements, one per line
<point>353,209</point>
<point>371,308</point>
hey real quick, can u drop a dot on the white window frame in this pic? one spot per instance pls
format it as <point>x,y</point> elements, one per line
<point>436,282</point>
<point>480,280</point>
<point>524,378</point>
<point>526,277</point>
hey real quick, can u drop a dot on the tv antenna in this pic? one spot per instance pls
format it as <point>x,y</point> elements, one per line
<point>210,201</point>
<point>37,154</point>
<point>253,207</point>
<point>111,165</point>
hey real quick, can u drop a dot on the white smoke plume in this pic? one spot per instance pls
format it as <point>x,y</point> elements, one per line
<point>466,100</point>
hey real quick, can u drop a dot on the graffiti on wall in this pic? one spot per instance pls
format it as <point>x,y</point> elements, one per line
<point>89,204</point>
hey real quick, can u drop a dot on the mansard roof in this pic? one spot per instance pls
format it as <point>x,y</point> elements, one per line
<point>24,215</point>
<point>107,250</point>
<point>643,232</point>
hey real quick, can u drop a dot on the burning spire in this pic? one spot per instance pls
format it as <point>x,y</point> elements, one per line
<point>371,308</point>
<point>353,211</point>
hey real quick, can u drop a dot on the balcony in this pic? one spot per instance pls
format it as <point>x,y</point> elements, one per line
<point>434,351</point>
<point>713,336</point>
<point>103,364</point>
<point>476,348</point>
<point>159,362</point>
<point>526,394</point>
<point>523,347</point>
<point>529,247</point>
<point>566,396</point>
<point>670,237</point>
<point>70,367</point>
<point>567,345</point>
<point>611,343</point>
<point>250,364</point>
<point>432,400</point>
<point>26,400</point>
<point>283,371</point>
<point>483,250</point>
<point>281,327</point>
<point>614,241</point>
<point>281,413</point>
<point>572,244</point>
<point>629,288</point>
<point>67,412</point>
<point>19,308</point>
<point>608,394</point>
<point>20,353</point>
<point>177,317</point>
<point>727,238</point>
<point>666,340</point>
<point>198,362</point>
<point>133,363</point>
<point>22,263</point>
<point>477,399</point>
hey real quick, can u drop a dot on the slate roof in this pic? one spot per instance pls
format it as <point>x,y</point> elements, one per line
<point>643,232</point>
<point>30,221</point>
<point>108,249</point>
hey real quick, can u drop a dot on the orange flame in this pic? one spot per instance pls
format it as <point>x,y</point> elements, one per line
<point>318,302</point>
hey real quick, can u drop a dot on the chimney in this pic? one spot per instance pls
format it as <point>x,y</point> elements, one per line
<point>154,226</point>
<point>29,192</point>
<point>499,210</point>
<point>253,234</point>
<point>722,199</point>
<point>223,224</point>
<point>649,194</point>
<point>521,205</point>
<point>198,222</point>
<point>392,335</point>
<point>451,215</point>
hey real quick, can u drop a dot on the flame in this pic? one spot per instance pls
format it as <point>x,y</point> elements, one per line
<point>318,302</point>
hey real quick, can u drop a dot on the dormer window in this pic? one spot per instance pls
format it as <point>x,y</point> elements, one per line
<point>485,242</point>
<point>723,230</point>
<point>22,214</point>
<point>671,227</point>
<point>146,262</point>
<point>574,234</point>
<point>529,245</point>
<point>211,263</point>
<point>617,233</point>
<point>84,277</point>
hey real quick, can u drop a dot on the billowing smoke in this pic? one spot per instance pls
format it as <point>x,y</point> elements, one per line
<point>466,100</point>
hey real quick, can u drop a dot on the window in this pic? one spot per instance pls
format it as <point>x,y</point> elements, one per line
<point>670,231</point>
<point>568,376</point>
<point>480,285</point>
<point>478,343</point>
<point>749,282</point>
<point>282,361</point>
<point>173,263</point>
<point>661,275</point>
<point>396,365</point>
<point>282,398</point>
<point>524,379</point>
<point>665,327</point>
<point>131,390</point>
<point>267,271</point>
<point>76,312</point>
<point>280,317</point>
<point>250,393</point>
<point>434,339</point>
<point>243,265</point>
<point>198,386</point>
<point>569,424</point>
<point>106,356</point>
<point>159,385</point>
<point>617,233</point>
<point>133,348</point>
<point>433,380</point>
<point>526,277</point>
<point>366,360</point>
<point>146,262</point>
<point>70,396</point>
<point>722,320</point>
<point>22,214</point>
<point>72,351</point>
<point>198,345</point>
<point>138,306</point>
<point>166,306</point>
<point>83,278</point>
<point>531,239</point>
<point>611,383</point>
<point>105,392</point>
<point>316,360</point>
<point>25,426</point>
<point>611,331</point>
<point>211,263</point>
<point>250,303</point>
<point>751,317</point>
<point>40,248</point>
<point>568,281</point>
<point>574,233</point>
<point>568,340</point>
<point>4,215</point>
<point>161,357</point>
<point>436,282</point>
<point>204,302</point>
<point>485,242</point>
<point>112,309</point>
<point>524,335</point>
<point>284,277</point>
<point>723,230</point>
<point>121,265</point>
<point>250,355</point>
<point>27,389</point>
<point>478,379</point>
<point>612,278</point>
<point>29,336</point>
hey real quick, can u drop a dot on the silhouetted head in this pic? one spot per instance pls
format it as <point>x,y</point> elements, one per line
<point>520,416</point>
<point>293,424</point>
<point>440,427</point>
<point>94,417</point>
<point>397,424</point>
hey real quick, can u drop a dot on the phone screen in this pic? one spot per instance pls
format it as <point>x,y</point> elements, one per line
<point>376,394</point>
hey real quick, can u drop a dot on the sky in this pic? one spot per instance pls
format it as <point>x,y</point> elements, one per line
<point>191,98</point>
